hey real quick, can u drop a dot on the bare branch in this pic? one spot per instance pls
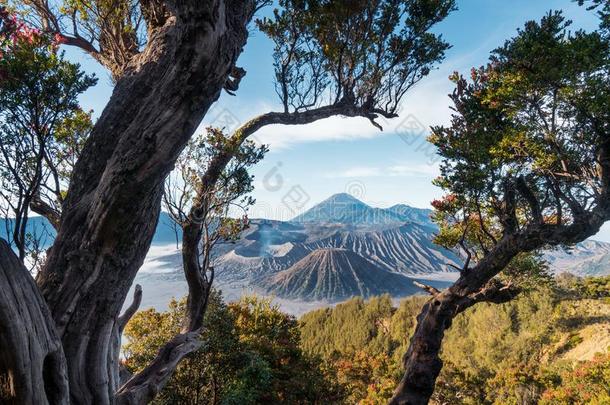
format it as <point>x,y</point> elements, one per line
<point>132,309</point>
<point>42,208</point>
<point>144,386</point>
<point>429,289</point>
<point>458,268</point>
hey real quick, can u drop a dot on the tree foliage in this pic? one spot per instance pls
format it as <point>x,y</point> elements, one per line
<point>229,198</point>
<point>251,355</point>
<point>526,165</point>
<point>208,213</point>
<point>42,128</point>
<point>513,353</point>
<point>214,372</point>
<point>588,383</point>
<point>115,33</point>
<point>525,144</point>
<point>359,54</point>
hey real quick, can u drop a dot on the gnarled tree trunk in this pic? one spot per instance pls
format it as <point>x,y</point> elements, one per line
<point>112,208</point>
<point>31,360</point>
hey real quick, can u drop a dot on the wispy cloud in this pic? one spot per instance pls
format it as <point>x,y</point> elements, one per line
<point>418,170</point>
<point>403,170</point>
<point>330,129</point>
<point>358,172</point>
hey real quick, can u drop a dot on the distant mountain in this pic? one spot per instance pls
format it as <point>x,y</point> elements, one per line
<point>412,214</point>
<point>345,209</point>
<point>272,246</point>
<point>588,258</point>
<point>277,256</point>
<point>340,247</point>
<point>404,248</point>
<point>39,226</point>
<point>334,275</point>
<point>166,233</point>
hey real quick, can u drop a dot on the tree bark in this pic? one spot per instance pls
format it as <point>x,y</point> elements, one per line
<point>198,286</point>
<point>42,208</point>
<point>112,207</point>
<point>422,361</point>
<point>32,356</point>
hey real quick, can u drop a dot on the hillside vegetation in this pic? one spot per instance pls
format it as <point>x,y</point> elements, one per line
<point>549,346</point>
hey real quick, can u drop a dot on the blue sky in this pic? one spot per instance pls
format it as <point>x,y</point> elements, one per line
<point>306,164</point>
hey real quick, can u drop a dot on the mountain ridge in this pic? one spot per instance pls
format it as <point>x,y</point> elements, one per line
<point>346,209</point>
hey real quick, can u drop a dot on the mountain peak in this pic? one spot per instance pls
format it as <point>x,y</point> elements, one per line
<point>420,216</point>
<point>344,208</point>
<point>343,198</point>
<point>338,208</point>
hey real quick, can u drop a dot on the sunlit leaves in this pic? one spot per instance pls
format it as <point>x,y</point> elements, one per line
<point>251,355</point>
<point>588,383</point>
<point>493,354</point>
<point>523,144</point>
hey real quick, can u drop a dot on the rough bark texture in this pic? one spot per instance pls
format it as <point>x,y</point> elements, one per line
<point>42,208</point>
<point>112,207</point>
<point>31,351</point>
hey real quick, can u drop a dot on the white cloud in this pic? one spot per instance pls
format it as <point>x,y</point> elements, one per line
<point>419,170</point>
<point>330,129</point>
<point>403,170</point>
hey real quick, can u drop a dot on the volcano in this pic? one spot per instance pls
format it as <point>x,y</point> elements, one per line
<point>336,274</point>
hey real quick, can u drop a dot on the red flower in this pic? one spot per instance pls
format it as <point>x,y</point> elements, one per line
<point>445,203</point>
<point>59,39</point>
